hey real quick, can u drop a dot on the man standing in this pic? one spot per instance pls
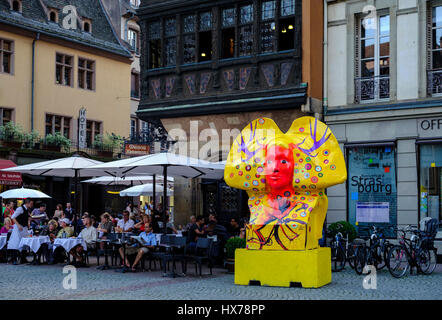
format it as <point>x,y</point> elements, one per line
<point>21,221</point>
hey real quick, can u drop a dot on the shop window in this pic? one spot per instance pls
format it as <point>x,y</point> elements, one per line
<point>6,56</point>
<point>372,193</point>
<point>64,69</point>
<point>430,181</point>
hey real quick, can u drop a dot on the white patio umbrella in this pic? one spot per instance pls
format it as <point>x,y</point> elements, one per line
<point>143,190</point>
<point>72,167</point>
<point>125,181</point>
<point>166,164</point>
<point>23,193</point>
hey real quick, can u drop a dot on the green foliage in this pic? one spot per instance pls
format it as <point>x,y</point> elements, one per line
<point>343,227</point>
<point>57,139</point>
<point>232,244</point>
<point>108,141</point>
<point>12,131</point>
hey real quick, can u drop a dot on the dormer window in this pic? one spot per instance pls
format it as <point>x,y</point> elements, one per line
<point>87,25</point>
<point>16,5</point>
<point>53,16</point>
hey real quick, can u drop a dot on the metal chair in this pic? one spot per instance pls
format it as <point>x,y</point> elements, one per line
<point>203,253</point>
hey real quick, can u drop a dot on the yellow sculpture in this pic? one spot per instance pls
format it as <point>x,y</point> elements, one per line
<point>285,176</point>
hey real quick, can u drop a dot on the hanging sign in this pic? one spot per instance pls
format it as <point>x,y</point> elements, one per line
<point>82,128</point>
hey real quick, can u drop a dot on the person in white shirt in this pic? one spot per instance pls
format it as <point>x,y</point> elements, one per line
<point>125,224</point>
<point>89,235</point>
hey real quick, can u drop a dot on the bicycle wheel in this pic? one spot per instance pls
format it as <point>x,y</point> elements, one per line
<point>398,261</point>
<point>426,260</point>
<point>338,257</point>
<point>378,258</point>
<point>351,256</point>
<point>360,259</point>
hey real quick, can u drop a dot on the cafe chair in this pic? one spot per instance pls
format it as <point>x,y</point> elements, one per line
<point>202,254</point>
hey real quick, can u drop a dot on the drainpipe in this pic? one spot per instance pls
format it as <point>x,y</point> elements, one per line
<point>37,37</point>
<point>325,63</point>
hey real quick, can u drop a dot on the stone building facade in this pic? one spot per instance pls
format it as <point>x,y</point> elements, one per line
<point>208,68</point>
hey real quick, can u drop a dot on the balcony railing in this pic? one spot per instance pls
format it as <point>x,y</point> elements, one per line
<point>372,89</point>
<point>434,82</point>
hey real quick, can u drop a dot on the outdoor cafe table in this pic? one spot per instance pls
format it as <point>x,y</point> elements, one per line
<point>34,243</point>
<point>69,243</point>
<point>2,241</point>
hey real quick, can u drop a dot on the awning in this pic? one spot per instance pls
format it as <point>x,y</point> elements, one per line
<point>9,178</point>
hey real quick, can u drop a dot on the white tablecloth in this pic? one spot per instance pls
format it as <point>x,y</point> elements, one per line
<point>69,243</point>
<point>2,241</point>
<point>33,242</point>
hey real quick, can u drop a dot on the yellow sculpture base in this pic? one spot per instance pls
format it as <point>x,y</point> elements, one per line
<point>310,268</point>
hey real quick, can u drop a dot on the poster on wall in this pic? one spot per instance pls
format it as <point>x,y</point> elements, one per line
<point>372,193</point>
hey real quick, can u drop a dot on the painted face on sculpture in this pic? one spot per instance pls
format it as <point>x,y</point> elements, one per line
<point>278,167</point>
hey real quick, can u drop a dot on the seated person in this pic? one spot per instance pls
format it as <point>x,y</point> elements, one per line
<point>105,227</point>
<point>196,231</point>
<point>191,223</point>
<point>47,248</point>
<point>41,212</point>
<point>94,222</point>
<point>170,228</point>
<point>235,228</point>
<point>89,235</point>
<point>125,224</point>
<point>141,225</point>
<point>66,230</point>
<point>150,242</point>
<point>7,226</point>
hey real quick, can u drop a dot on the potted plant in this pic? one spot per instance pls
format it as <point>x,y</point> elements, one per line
<point>12,135</point>
<point>106,144</point>
<point>54,142</point>
<point>32,140</point>
<point>231,245</point>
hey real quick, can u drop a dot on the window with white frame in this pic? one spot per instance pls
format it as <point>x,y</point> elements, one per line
<point>434,49</point>
<point>372,50</point>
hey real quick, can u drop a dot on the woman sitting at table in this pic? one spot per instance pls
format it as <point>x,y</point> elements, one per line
<point>66,230</point>
<point>140,225</point>
<point>47,248</point>
<point>9,209</point>
<point>7,227</point>
<point>105,227</point>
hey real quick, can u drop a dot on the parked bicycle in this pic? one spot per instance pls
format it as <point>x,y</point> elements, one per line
<point>375,253</point>
<point>342,250</point>
<point>417,251</point>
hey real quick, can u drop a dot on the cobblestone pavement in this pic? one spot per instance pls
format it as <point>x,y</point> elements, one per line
<point>45,282</point>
